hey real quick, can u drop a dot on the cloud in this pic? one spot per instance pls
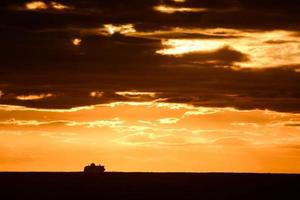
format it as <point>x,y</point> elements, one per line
<point>223,57</point>
<point>36,5</point>
<point>168,120</point>
<point>101,123</point>
<point>293,124</point>
<point>23,108</point>
<point>34,97</point>
<point>14,122</point>
<point>89,124</point>
<point>97,94</point>
<point>41,5</point>
<point>150,140</point>
<point>256,45</point>
<point>59,6</point>
<point>232,142</point>
<point>136,94</point>
<point>122,29</point>
<point>133,129</point>
<point>171,10</point>
<point>1,93</point>
<point>77,41</point>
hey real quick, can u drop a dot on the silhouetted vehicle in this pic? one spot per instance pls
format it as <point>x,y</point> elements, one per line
<point>92,168</point>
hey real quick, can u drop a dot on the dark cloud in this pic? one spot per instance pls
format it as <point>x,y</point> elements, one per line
<point>38,57</point>
<point>293,125</point>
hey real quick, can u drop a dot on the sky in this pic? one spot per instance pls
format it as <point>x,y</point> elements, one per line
<point>150,85</point>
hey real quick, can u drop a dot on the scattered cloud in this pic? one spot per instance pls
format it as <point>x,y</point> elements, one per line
<point>41,5</point>
<point>188,78</point>
<point>152,126</point>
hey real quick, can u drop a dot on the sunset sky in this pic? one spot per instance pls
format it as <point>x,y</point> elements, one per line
<point>150,85</point>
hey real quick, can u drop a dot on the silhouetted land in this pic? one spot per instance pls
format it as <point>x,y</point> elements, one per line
<point>206,186</point>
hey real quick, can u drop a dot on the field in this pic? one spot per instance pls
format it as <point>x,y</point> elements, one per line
<point>121,186</point>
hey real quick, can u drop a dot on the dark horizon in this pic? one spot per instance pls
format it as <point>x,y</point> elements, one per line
<point>149,186</point>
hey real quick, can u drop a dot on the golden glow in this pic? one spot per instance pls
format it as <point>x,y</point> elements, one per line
<point>34,97</point>
<point>15,122</point>
<point>122,29</point>
<point>10,108</point>
<point>1,93</point>
<point>59,6</point>
<point>116,122</point>
<point>36,5</point>
<point>265,49</point>
<point>40,5</point>
<point>179,1</point>
<point>123,135</point>
<point>171,10</point>
<point>96,94</point>
<point>133,94</point>
<point>77,41</point>
<point>184,46</point>
<point>168,120</point>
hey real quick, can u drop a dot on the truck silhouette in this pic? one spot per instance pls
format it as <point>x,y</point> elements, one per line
<point>92,168</point>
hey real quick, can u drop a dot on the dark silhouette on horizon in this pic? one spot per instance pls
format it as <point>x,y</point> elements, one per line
<point>92,168</point>
<point>148,186</point>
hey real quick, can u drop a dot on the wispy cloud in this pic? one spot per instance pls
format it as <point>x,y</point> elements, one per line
<point>171,10</point>
<point>133,94</point>
<point>33,97</point>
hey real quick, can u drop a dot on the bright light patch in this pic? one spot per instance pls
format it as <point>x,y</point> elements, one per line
<point>133,94</point>
<point>184,46</point>
<point>34,97</point>
<point>179,1</point>
<point>40,5</point>
<point>59,6</point>
<point>36,5</point>
<point>122,29</point>
<point>76,41</point>
<point>264,49</point>
<point>171,10</point>
<point>116,122</point>
<point>1,93</point>
<point>168,120</point>
<point>96,94</point>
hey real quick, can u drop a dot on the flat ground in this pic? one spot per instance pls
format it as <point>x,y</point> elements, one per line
<point>207,186</point>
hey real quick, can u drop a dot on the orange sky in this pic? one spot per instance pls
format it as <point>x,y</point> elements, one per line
<point>149,136</point>
<point>150,85</point>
